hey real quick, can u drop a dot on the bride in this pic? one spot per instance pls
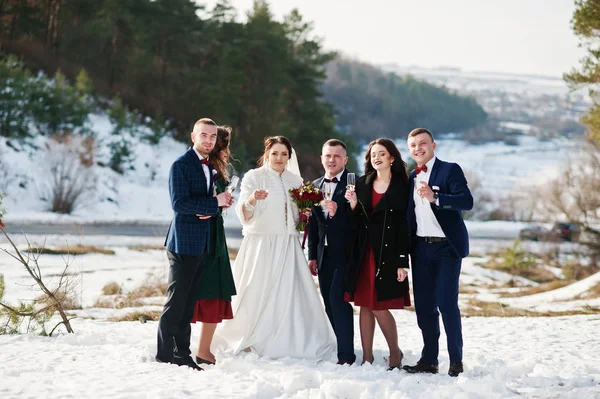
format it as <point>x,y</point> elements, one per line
<point>277,310</point>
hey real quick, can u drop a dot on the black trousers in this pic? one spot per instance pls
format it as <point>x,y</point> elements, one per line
<point>174,327</point>
<point>339,312</point>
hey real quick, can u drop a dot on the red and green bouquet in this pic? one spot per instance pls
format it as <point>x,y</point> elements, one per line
<point>306,196</point>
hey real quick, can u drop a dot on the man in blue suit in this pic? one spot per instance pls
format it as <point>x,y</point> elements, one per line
<point>191,191</point>
<point>439,241</point>
<point>328,232</point>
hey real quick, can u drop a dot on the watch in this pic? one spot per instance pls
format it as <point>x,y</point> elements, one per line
<point>435,197</point>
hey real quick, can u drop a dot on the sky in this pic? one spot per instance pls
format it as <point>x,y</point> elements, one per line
<point>513,36</point>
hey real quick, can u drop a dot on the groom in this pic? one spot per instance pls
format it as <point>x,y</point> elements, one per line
<point>327,238</point>
<point>191,190</point>
<point>439,242</point>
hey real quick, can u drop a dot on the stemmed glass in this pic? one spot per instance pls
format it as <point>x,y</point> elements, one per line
<point>326,189</point>
<point>351,181</point>
<point>231,188</point>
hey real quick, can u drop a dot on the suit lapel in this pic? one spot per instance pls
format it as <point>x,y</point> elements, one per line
<point>340,189</point>
<point>196,161</point>
<point>434,171</point>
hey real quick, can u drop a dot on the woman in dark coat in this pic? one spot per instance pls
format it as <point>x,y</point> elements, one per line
<point>377,274</point>
<point>216,287</point>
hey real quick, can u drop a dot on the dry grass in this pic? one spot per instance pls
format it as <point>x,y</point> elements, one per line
<point>477,308</point>
<point>151,287</point>
<point>592,293</point>
<point>112,288</point>
<point>142,317</point>
<point>67,300</point>
<point>553,285</point>
<point>71,250</point>
<point>578,272</point>
<point>467,290</point>
<point>233,253</point>
<point>143,248</point>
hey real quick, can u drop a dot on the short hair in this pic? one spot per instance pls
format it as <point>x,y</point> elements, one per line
<point>204,121</point>
<point>420,130</point>
<point>335,143</point>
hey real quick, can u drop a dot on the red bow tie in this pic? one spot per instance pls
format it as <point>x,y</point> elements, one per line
<point>205,162</point>
<point>334,180</point>
<point>421,169</point>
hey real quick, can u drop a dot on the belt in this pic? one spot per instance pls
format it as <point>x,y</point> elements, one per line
<point>431,240</point>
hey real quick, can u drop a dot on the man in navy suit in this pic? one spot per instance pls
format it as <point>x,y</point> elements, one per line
<point>439,241</point>
<point>191,191</point>
<point>328,229</point>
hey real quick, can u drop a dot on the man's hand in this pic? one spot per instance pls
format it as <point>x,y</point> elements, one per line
<point>330,206</point>
<point>202,217</point>
<point>312,265</point>
<point>402,274</point>
<point>225,200</point>
<point>425,191</point>
<point>350,195</point>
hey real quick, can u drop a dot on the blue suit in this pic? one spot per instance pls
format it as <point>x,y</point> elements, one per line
<point>187,242</point>
<point>187,234</point>
<point>332,264</point>
<point>436,265</point>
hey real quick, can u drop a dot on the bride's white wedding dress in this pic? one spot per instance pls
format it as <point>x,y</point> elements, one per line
<point>277,311</point>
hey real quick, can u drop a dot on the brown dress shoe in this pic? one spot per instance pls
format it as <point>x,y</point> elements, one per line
<point>455,369</point>
<point>422,367</point>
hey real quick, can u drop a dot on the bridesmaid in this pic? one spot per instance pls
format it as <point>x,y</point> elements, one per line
<point>216,287</point>
<point>376,278</point>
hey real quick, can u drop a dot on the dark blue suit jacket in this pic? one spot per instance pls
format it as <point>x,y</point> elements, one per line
<point>187,234</point>
<point>454,196</point>
<point>338,228</point>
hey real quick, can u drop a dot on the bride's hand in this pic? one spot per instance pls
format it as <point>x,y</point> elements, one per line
<point>351,197</point>
<point>258,195</point>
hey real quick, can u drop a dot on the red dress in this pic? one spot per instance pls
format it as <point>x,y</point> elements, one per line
<point>365,293</point>
<point>212,311</point>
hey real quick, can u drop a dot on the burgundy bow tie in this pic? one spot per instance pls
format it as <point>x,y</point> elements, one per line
<point>205,162</point>
<point>421,169</point>
<point>334,180</point>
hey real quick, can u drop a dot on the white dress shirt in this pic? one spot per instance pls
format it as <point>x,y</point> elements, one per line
<point>332,187</point>
<point>205,169</point>
<point>427,224</point>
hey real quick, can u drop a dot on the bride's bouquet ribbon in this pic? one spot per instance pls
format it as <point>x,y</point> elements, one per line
<point>305,197</point>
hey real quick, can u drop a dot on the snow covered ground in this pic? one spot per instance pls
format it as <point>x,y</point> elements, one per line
<point>544,357</point>
<point>504,358</point>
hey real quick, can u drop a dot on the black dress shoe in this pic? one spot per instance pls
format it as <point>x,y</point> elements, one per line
<point>399,365</point>
<point>199,360</point>
<point>187,361</point>
<point>455,369</point>
<point>343,362</point>
<point>422,367</point>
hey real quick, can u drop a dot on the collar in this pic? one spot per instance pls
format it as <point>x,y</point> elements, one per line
<point>339,175</point>
<point>198,154</point>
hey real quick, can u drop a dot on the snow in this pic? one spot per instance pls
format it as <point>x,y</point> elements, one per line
<point>504,357</point>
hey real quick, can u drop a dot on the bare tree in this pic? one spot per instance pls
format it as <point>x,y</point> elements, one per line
<point>574,196</point>
<point>69,179</point>
<point>52,299</point>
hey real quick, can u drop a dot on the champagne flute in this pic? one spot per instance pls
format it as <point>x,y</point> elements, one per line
<point>351,181</point>
<point>232,184</point>
<point>326,195</point>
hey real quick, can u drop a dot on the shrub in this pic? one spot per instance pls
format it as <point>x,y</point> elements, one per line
<point>111,288</point>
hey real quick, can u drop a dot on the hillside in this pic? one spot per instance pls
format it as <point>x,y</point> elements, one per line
<point>371,103</point>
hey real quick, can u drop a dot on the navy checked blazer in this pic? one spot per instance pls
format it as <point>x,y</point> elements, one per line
<point>187,234</point>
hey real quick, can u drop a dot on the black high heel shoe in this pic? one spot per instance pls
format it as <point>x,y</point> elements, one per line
<point>199,360</point>
<point>399,365</point>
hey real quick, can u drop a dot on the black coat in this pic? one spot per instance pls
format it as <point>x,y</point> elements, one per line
<point>385,228</point>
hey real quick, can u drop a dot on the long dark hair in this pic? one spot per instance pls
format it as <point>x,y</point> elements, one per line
<point>223,140</point>
<point>270,142</point>
<point>398,166</point>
